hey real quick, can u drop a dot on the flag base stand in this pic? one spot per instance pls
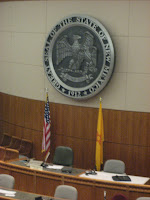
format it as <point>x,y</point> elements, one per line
<point>44,164</point>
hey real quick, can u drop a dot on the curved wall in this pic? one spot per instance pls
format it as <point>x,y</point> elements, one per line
<point>126,133</point>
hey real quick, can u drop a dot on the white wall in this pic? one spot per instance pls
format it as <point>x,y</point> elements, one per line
<point>24,26</point>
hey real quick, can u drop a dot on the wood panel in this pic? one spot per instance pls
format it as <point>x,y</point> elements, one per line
<point>127,127</point>
<point>24,181</point>
<point>24,177</point>
<point>85,191</point>
<point>132,155</point>
<point>5,101</point>
<point>109,193</point>
<point>138,128</point>
<point>16,108</point>
<point>84,151</point>
<point>1,126</point>
<point>34,114</point>
<point>73,121</point>
<point>126,133</point>
<point>13,129</point>
<point>45,182</point>
<point>115,126</point>
<point>4,171</point>
<point>13,109</point>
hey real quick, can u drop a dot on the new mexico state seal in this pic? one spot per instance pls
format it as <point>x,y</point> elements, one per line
<point>79,57</point>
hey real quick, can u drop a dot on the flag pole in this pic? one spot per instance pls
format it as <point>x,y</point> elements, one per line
<point>44,164</point>
<point>99,139</point>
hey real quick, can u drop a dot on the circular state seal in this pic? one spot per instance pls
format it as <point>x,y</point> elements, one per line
<point>79,57</point>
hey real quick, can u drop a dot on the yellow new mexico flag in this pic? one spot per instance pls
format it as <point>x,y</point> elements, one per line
<point>99,140</point>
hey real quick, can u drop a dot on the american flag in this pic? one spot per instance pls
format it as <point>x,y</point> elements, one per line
<point>46,129</point>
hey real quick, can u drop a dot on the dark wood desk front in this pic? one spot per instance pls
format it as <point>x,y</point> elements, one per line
<point>44,182</point>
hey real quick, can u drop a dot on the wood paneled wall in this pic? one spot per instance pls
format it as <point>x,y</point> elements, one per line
<point>127,134</point>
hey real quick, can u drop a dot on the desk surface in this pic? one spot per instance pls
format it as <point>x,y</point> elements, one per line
<point>16,194</point>
<point>37,166</point>
<point>108,177</point>
<point>45,181</point>
<point>100,175</point>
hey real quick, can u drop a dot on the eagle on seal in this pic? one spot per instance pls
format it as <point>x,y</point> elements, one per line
<point>82,54</point>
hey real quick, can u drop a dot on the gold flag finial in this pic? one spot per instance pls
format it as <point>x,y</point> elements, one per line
<point>100,99</point>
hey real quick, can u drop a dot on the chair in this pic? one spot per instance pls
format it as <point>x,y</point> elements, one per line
<point>7,181</point>
<point>143,198</point>
<point>114,166</point>
<point>2,153</point>
<point>15,143</point>
<point>119,197</point>
<point>11,154</point>
<point>1,138</point>
<point>6,140</point>
<point>25,148</point>
<point>63,156</point>
<point>66,192</point>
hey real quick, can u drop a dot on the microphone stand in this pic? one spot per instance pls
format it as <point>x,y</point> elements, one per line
<point>44,164</point>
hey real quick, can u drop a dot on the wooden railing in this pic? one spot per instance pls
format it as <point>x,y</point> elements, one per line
<point>8,154</point>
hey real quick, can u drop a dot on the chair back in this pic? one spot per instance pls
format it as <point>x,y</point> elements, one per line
<point>2,153</point>
<point>63,156</point>
<point>6,140</point>
<point>25,147</point>
<point>1,138</point>
<point>119,197</point>
<point>66,192</point>
<point>7,181</point>
<point>114,166</point>
<point>15,143</point>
